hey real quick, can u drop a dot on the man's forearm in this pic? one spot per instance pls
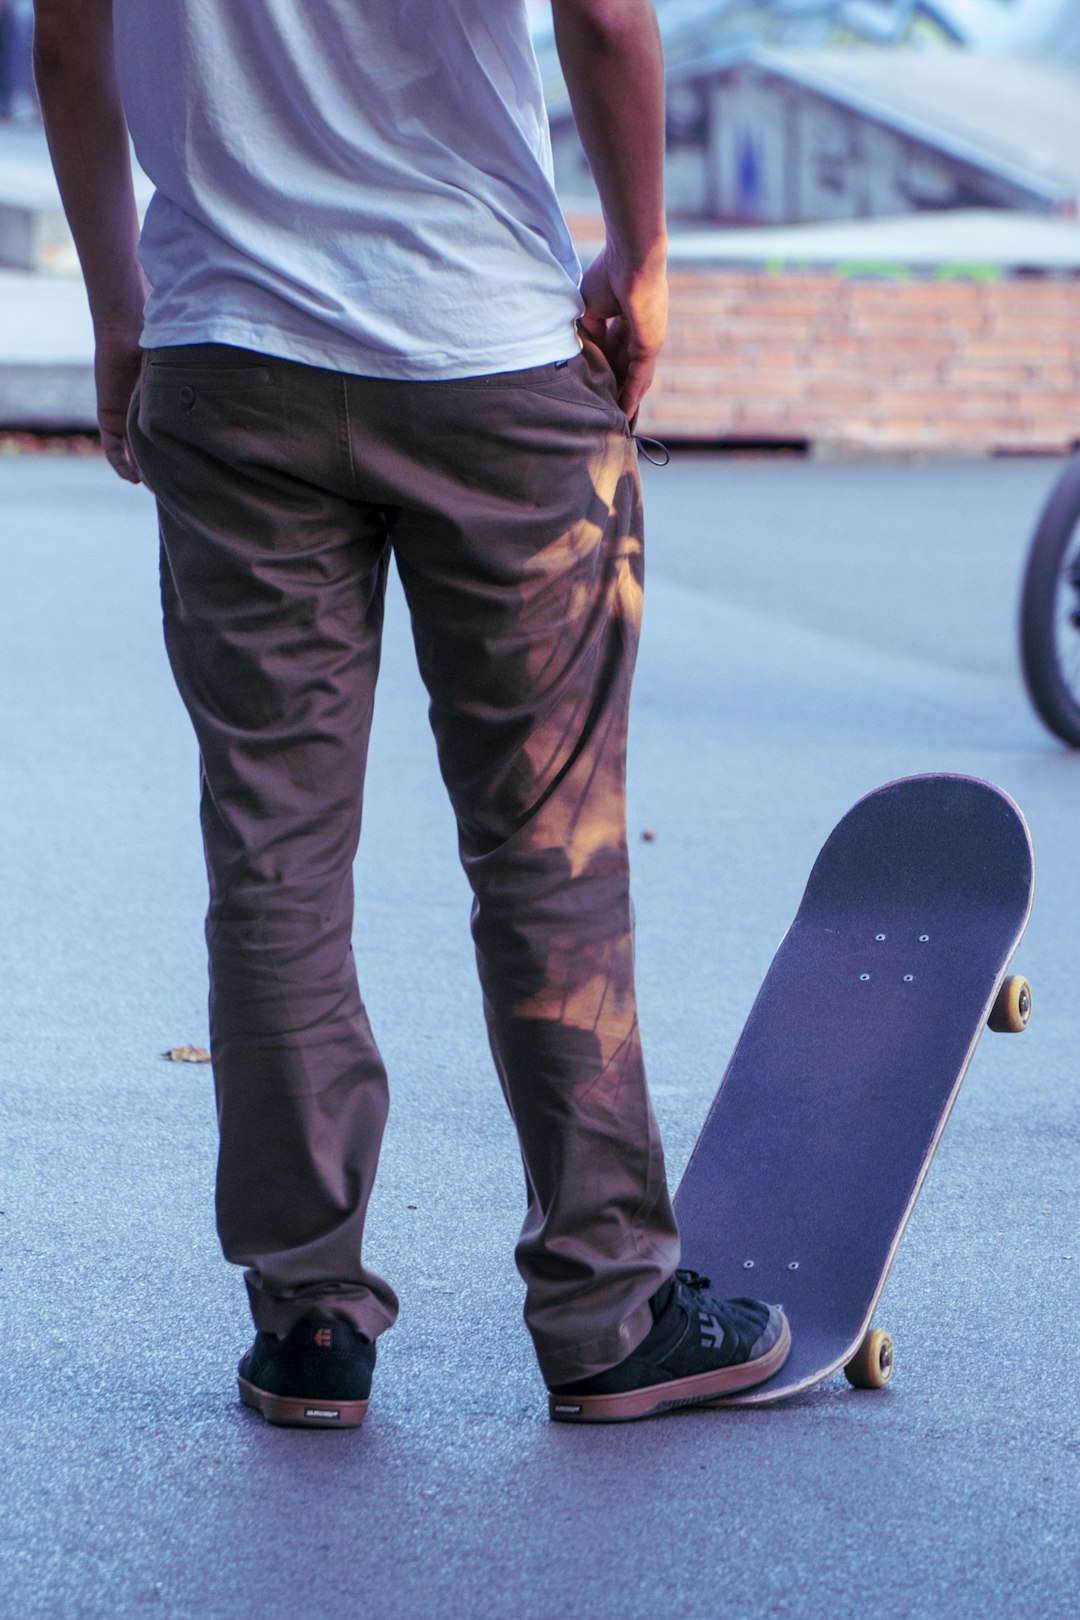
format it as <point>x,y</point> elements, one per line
<point>612,61</point>
<point>88,140</point>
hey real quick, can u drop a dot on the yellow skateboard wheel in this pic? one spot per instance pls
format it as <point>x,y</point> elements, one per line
<point>871,1366</point>
<point>1011,1012</point>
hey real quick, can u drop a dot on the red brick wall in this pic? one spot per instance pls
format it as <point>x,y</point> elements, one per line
<point>870,364</point>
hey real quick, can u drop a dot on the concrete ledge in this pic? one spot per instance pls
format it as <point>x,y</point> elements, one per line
<point>976,242</point>
<point>46,352</point>
<point>53,396</point>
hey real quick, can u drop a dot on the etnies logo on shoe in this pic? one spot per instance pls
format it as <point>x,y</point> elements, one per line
<point>324,1338</point>
<point>712,1331</point>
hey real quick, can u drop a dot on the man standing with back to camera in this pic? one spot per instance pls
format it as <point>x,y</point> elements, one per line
<point>361,332</point>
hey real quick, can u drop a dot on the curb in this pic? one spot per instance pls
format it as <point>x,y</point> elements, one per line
<point>58,395</point>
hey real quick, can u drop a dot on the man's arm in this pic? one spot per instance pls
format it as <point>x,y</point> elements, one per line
<point>613,64</point>
<point>88,140</point>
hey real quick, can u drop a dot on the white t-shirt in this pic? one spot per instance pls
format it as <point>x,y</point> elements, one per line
<point>359,184</point>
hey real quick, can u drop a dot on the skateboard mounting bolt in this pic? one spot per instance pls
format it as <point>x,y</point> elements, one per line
<point>879,936</point>
<point>909,978</point>
<point>748,1265</point>
<point>793,1265</point>
<point>923,938</point>
<point>863,977</point>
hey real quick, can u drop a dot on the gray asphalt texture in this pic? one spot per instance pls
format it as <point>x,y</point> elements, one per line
<point>812,629</point>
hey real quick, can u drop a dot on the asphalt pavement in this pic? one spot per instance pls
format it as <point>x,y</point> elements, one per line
<point>812,629</point>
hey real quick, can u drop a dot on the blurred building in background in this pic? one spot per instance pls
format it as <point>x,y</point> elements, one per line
<point>799,133</point>
<point>841,109</point>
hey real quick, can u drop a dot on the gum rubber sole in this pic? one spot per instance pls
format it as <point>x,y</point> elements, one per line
<point>294,1412</point>
<point>656,1398</point>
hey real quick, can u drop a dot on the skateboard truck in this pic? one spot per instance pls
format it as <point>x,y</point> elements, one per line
<point>872,1365</point>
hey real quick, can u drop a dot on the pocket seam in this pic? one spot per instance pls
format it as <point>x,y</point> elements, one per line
<point>213,380</point>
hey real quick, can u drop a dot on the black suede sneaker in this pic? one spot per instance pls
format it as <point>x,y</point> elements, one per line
<point>317,1377</point>
<point>697,1349</point>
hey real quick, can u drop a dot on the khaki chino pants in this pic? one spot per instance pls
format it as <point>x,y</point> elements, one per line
<point>511,504</point>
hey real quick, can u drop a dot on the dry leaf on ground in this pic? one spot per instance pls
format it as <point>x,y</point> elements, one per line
<point>187,1054</point>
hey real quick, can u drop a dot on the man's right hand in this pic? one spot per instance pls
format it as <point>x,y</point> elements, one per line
<point>626,316</point>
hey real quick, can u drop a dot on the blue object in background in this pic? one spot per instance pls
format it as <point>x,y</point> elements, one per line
<point>18,99</point>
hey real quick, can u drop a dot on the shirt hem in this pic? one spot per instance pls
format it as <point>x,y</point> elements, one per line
<point>353,359</point>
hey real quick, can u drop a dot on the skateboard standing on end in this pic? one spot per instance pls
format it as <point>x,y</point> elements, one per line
<point>815,1149</point>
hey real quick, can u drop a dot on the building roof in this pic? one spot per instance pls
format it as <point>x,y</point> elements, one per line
<point>1017,115</point>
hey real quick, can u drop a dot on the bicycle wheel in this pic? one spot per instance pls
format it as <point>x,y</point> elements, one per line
<point>1050,610</point>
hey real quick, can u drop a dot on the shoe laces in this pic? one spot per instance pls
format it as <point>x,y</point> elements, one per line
<point>694,1281</point>
<point>697,1285</point>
